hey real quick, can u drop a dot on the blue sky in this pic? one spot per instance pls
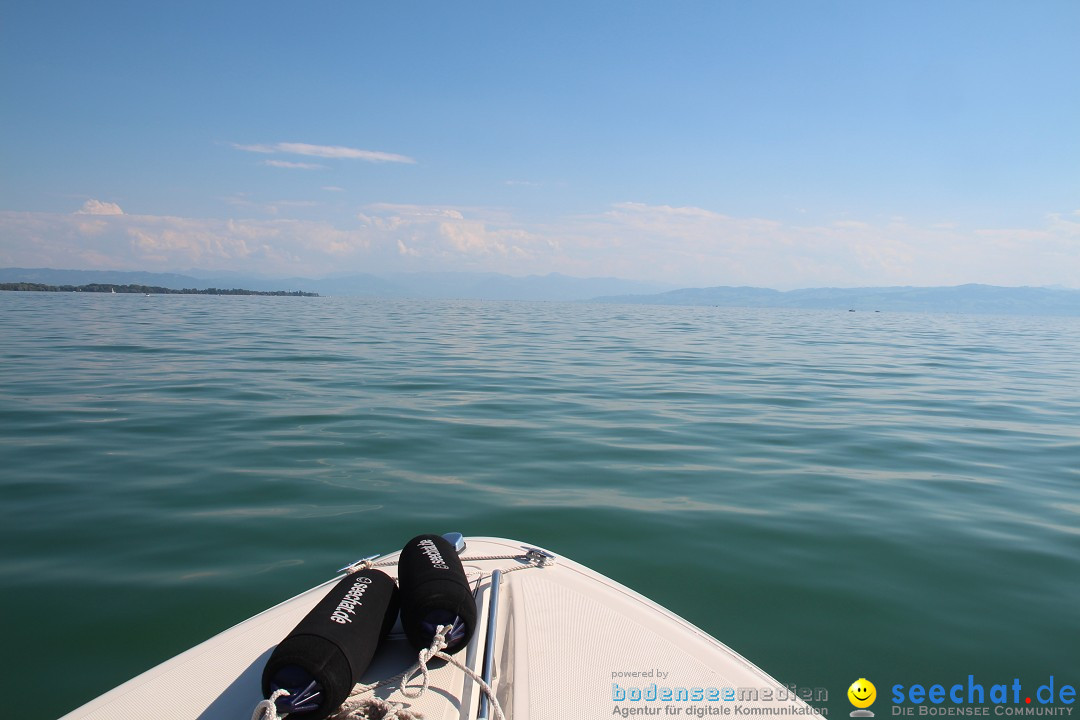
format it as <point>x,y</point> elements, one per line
<point>781,144</point>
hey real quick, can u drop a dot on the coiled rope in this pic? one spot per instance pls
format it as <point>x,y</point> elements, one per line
<point>374,708</point>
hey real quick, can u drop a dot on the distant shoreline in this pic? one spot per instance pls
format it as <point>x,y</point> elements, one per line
<point>146,290</point>
<point>968,299</point>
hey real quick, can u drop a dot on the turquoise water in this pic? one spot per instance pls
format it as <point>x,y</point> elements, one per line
<point>834,495</point>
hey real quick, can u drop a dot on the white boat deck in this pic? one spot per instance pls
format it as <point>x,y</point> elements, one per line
<point>567,642</point>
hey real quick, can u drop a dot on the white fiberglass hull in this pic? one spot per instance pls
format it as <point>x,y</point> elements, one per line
<point>567,643</point>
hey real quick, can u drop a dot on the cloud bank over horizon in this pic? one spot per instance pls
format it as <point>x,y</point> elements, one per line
<point>781,146</point>
<point>683,246</point>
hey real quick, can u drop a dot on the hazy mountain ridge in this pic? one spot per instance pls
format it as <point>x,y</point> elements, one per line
<point>48,276</point>
<point>971,298</point>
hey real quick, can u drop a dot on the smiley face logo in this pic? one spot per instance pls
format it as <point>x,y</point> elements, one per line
<point>862,693</point>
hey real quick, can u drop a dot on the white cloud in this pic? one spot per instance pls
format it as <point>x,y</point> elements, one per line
<point>326,151</point>
<point>255,148</point>
<point>96,207</point>
<point>417,211</point>
<point>697,246</point>
<point>293,165</point>
<point>438,237</point>
<point>132,242</point>
<point>688,246</point>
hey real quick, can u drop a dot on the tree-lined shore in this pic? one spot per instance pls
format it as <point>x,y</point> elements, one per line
<point>145,290</point>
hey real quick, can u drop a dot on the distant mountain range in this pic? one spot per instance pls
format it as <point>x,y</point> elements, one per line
<point>555,287</point>
<point>954,299</point>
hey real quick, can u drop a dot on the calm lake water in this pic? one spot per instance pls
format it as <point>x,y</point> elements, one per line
<point>834,495</point>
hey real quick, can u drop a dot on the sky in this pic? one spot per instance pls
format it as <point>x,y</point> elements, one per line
<point>788,144</point>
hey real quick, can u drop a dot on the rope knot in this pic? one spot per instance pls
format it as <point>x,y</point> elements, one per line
<point>358,566</point>
<point>267,709</point>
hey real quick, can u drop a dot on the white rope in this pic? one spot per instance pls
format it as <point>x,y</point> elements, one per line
<point>377,709</point>
<point>267,709</point>
<point>368,564</point>
<point>374,708</point>
<point>436,651</point>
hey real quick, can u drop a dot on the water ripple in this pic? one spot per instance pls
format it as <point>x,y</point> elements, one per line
<point>773,475</point>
